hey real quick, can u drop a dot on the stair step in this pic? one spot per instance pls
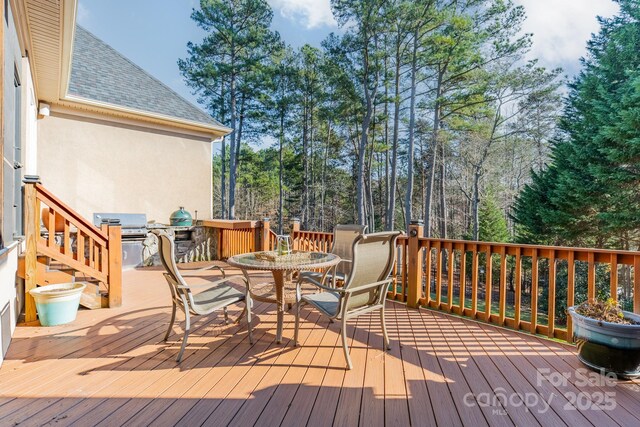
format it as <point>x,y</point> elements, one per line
<point>92,298</point>
<point>51,272</point>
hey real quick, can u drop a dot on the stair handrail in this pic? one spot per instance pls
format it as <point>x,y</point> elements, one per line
<point>104,246</point>
<point>65,211</point>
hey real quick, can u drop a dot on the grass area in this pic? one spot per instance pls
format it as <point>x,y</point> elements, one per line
<point>525,312</point>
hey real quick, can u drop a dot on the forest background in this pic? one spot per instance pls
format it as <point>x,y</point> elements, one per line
<point>424,110</point>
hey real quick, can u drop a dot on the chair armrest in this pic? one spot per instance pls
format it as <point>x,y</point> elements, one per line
<point>211,267</point>
<point>320,285</point>
<point>369,286</point>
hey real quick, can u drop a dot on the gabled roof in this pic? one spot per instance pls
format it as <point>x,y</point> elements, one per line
<point>100,73</point>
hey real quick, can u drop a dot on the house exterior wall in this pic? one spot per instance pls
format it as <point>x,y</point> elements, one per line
<point>94,165</point>
<point>14,115</point>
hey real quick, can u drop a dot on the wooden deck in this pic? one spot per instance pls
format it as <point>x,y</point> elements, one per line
<point>110,367</point>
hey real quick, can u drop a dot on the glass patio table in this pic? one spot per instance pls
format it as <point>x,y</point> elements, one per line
<point>283,288</point>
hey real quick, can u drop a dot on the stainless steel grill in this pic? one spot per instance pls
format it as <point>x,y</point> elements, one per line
<point>134,232</point>
<point>133,225</point>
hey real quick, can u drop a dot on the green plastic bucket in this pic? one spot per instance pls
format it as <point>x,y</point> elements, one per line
<point>57,304</point>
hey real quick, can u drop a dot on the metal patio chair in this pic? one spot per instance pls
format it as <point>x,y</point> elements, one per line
<point>343,237</point>
<point>218,295</point>
<point>365,288</point>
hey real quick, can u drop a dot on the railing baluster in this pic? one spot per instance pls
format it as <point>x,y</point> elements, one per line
<point>91,254</point>
<point>405,262</point>
<point>80,247</point>
<point>67,239</point>
<point>427,273</point>
<point>51,228</point>
<point>591,277</point>
<point>551,305</point>
<point>613,280</point>
<point>450,276</point>
<point>571,282</point>
<point>636,284</point>
<point>474,281</point>
<point>463,277</point>
<point>503,284</point>
<point>438,274</point>
<point>488,285</point>
<point>534,290</point>
<point>518,288</point>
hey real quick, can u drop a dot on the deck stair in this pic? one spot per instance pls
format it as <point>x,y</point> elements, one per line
<point>54,234</point>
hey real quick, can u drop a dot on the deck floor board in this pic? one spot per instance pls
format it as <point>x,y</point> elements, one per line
<point>111,367</point>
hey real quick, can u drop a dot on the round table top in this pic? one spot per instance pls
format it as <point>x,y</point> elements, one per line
<point>316,260</point>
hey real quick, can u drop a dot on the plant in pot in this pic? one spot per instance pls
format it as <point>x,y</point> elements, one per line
<point>608,338</point>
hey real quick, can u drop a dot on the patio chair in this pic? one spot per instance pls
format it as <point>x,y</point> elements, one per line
<point>364,291</point>
<point>343,237</point>
<point>218,295</point>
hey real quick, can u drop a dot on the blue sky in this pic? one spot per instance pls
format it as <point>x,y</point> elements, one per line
<point>154,33</point>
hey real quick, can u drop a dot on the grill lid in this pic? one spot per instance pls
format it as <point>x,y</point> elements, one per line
<point>127,220</point>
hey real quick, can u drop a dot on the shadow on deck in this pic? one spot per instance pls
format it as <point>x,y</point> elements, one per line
<point>110,367</point>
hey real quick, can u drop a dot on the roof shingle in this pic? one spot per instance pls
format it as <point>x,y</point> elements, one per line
<point>100,73</point>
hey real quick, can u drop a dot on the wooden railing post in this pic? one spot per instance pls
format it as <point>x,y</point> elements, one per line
<point>636,284</point>
<point>32,233</point>
<point>265,234</point>
<point>414,269</point>
<point>115,265</point>
<point>295,229</point>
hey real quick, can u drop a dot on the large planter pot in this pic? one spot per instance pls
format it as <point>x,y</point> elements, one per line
<point>611,347</point>
<point>57,304</point>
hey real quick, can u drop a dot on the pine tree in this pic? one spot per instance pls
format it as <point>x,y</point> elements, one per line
<point>223,67</point>
<point>493,225</point>
<point>590,194</point>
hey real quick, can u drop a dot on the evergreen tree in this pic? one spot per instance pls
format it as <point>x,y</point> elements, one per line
<point>223,67</point>
<point>589,195</point>
<point>493,225</point>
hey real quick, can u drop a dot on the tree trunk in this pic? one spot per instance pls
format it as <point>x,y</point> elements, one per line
<point>223,179</point>
<point>428,203</point>
<point>408,197</point>
<point>323,177</point>
<point>305,166</point>
<point>475,203</point>
<point>391,207</point>
<point>239,137</point>
<point>223,155</point>
<point>312,188</point>
<point>443,193</point>
<point>232,150</point>
<point>362,147</point>
<point>281,174</point>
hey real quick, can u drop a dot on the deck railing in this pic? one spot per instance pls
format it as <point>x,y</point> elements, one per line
<point>522,287</point>
<point>56,231</point>
<point>235,237</point>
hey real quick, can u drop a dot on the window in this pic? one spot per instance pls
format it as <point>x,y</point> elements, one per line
<point>12,162</point>
<point>17,158</point>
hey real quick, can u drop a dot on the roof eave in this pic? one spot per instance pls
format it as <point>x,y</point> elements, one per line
<point>213,130</point>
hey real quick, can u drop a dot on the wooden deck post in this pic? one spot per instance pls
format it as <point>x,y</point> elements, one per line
<point>636,284</point>
<point>414,268</point>
<point>32,233</point>
<point>295,228</point>
<point>115,265</point>
<point>265,234</point>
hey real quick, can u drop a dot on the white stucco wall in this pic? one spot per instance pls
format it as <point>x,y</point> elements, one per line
<point>99,166</point>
